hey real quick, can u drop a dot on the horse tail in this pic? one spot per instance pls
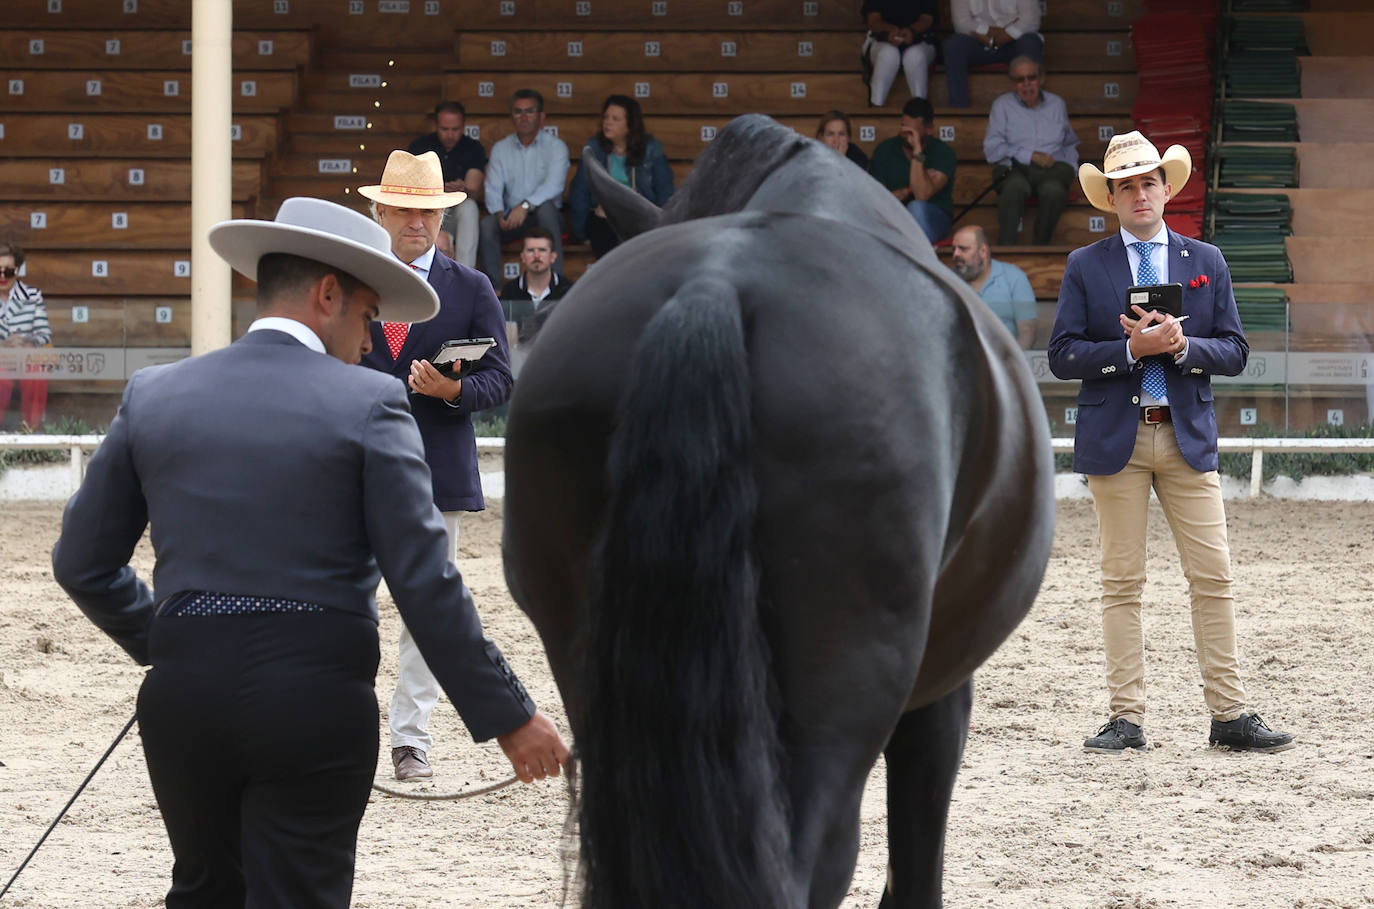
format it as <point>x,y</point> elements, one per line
<point>682,802</point>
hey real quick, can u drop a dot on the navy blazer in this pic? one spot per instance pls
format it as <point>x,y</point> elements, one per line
<point>1087,343</point>
<point>468,308</point>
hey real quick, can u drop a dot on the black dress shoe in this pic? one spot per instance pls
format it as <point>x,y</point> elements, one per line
<point>1249,733</point>
<point>1115,737</point>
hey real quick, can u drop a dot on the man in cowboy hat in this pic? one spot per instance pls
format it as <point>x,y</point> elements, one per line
<point>409,203</point>
<point>280,484</point>
<point>1145,419</point>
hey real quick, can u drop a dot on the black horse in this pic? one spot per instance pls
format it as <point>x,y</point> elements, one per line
<point>777,483</point>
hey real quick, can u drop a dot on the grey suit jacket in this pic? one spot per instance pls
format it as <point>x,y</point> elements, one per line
<point>268,469</point>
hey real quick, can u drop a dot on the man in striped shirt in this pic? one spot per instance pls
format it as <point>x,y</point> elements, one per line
<point>23,323</point>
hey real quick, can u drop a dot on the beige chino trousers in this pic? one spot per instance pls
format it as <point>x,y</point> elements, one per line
<point>1192,504</point>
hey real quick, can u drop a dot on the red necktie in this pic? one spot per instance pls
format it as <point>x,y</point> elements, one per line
<point>396,333</point>
<point>395,336</point>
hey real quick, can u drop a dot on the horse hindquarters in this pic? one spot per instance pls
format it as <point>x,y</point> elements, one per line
<point>681,802</point>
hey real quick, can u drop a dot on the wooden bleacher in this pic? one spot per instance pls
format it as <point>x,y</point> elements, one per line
<point>339,83</point>
<point>1331,299</point>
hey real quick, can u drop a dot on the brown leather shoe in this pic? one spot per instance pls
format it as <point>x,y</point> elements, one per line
<point>410,764</point>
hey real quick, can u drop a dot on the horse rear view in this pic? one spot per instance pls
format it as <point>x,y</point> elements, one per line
<point>776,485</point>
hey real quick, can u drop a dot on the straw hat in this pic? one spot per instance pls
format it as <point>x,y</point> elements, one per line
<point>337,236</point>
<point>411,182</point>
<point>1130,154</point>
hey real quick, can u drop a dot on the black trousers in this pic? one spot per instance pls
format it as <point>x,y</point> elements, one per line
<point>600,235</point>
<point>260,733</point>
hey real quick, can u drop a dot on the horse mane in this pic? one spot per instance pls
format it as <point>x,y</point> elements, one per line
<point>743,155</point>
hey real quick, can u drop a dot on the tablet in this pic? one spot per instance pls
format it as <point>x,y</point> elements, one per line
<point>452,354</point>
<point>1166,298</point>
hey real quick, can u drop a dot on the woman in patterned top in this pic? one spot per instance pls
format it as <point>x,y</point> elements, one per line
<point>23,323</point>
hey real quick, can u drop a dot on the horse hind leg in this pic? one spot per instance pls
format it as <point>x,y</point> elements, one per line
<point>923,756</point>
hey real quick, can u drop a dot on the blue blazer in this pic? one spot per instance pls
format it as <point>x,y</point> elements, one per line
<point>652,179</point>
<point>1087,343</point>
<point>468,308</point>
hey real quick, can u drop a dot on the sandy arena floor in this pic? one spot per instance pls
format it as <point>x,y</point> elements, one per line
<point>1036,822</point>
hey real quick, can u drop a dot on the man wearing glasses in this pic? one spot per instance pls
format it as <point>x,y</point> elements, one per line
<point>1033,149</point>
<point>525,178</point>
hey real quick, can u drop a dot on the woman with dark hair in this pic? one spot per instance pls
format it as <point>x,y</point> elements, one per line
<point>631,156</point>
<point>23,323</point>
<point>834,130</point>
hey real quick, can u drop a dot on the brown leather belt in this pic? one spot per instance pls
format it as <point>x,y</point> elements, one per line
<point>1156,414</point>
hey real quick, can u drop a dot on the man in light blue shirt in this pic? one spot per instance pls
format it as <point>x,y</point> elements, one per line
<point>1033,149</point>
<point>525,177</point>
<point>1003,286</point>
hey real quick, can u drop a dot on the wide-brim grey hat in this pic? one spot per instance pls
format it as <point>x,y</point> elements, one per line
<point>337,236</point>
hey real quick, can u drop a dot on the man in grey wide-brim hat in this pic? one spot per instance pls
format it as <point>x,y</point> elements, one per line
<point>1146,421</point>
<point>281,482</point>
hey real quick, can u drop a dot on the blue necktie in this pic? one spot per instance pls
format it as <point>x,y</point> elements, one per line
<point>1152,382</point>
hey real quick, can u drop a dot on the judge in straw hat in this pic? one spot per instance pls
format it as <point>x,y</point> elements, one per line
<point>1145,420</point>
<point>408,203</point>
<point>281,484</point>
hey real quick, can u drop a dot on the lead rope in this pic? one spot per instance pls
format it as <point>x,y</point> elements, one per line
<point>442,796</point>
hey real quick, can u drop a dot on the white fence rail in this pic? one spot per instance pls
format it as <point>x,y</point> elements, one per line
<point>79,445</point>
<point>1257,448</point>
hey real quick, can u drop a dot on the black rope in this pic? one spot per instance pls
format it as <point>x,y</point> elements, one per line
<point>61,814</point>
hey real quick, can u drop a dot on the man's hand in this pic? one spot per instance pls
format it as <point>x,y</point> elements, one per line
<point>1166,340</point>
<point>1044,159</point>
<point>516,217</point>
<point>428,381</point>
<point>998,36</point>
<point>535,750</point>
<point>911,140</point>
<point>13,341</point>
<point>456,186</point>
<point>901,37</point>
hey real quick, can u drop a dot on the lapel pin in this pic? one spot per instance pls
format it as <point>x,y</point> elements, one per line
<point>1183,253</point>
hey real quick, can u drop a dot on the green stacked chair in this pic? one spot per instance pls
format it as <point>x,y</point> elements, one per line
<point>1262,56</point>
<point>1262,309</point>
<point>1258,121</point>
<point>1272,33</point>
<point>1256,166</point>
<point>1269,212</point>
<point>1262,74</point>
<point>1268,6</point>
<point>1255,256</point>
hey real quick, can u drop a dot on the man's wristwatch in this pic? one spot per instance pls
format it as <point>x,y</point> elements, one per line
<point>525,205</point>
<point>921,156</point>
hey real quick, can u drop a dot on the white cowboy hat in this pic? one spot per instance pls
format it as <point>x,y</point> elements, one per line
<point>337,236</point>
<point>1127,155</point>
<point>412,182</point>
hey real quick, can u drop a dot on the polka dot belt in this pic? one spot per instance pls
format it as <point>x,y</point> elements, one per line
<point>201,602</point>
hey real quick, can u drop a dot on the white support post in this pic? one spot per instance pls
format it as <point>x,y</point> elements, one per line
<point>1256,472</point>
<point>77,462</point>
<point>212,98</point>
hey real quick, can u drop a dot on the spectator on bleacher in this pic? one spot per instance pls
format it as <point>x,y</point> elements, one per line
<point>463,160</point>
<point>918,169</point>
<point>631,156</point>
<point>988,31</point>
<point>1146,421</point>
<point>408,203</point>
<point>525,178</point>
<point>23,323</point>
<point>529,298</point>
<point>834,130</point>
<point>1003,286</point>
<point>1033,149</point>
<point>901,35</point>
